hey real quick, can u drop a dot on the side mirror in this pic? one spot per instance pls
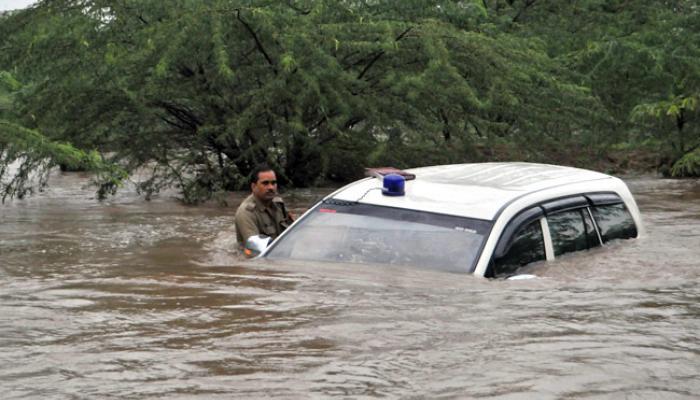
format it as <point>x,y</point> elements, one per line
<point>256,245</point>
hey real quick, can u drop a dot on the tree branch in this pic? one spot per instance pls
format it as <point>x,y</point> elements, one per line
<point>297,9</point>
<point>182,115</point>
<point>526,5</point>
<point>258,43</point>
<point>381,53</point>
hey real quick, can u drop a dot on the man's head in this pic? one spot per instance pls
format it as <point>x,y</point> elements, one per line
<point>263,183</point>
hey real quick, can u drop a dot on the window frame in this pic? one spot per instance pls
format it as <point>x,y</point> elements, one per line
<point>580,201</point>
<point>582,209</point>
<point>522,221</point>
<point>604,236</point>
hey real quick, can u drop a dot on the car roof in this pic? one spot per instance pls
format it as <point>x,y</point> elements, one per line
<point>476,190</point>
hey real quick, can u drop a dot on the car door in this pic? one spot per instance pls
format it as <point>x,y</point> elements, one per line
<point>544,232</point>
<point>558,227</point>
<point>570,225</point>
<point>522,243</point>
<point>612,217</point>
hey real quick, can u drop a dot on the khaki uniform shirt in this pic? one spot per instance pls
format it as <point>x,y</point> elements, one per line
<point>253,218</point>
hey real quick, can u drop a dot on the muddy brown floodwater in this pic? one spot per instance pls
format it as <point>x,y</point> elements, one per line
<point>128,299</point>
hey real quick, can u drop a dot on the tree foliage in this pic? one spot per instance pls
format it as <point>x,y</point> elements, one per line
<point>195,94</point>
<point>26,155</point>
<point>640,58</point>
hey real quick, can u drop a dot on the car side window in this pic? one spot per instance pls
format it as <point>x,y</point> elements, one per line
<point>571,231</point>
<point>614,222</point>
<point>527,246</point>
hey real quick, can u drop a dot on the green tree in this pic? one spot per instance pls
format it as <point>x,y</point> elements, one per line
<point>197,93</point>
<point>640,58</point>
<point>27,153</point>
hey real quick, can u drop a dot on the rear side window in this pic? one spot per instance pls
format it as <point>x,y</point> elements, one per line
<point>527,247</point>
<point>572,231</point>
<point>614,222</point>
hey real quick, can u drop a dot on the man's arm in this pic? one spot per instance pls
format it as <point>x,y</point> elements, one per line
<point>246,226</point>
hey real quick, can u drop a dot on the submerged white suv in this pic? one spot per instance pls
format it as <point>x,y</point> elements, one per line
<point>488,219</point>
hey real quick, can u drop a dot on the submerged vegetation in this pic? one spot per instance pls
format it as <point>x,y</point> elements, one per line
<point>197,93</point>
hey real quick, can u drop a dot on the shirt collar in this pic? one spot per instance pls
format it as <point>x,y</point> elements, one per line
<point>261,206</point>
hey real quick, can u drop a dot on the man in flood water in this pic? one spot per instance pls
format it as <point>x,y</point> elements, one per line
<point>263,212</point>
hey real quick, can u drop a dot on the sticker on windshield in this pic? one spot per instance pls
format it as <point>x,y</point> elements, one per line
<point>463,229</point>
<point>327,210</point>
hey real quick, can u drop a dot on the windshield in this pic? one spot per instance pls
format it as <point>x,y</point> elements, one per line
<point>360,233</point>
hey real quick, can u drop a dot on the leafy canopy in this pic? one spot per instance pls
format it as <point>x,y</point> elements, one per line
<point>196,93</point>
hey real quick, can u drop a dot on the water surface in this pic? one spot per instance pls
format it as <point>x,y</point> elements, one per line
<point>134,299</point>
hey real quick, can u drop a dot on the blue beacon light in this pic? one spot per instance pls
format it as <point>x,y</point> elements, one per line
<point>393,185</point>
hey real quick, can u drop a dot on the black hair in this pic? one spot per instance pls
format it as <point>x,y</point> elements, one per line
<point>257,170</point>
